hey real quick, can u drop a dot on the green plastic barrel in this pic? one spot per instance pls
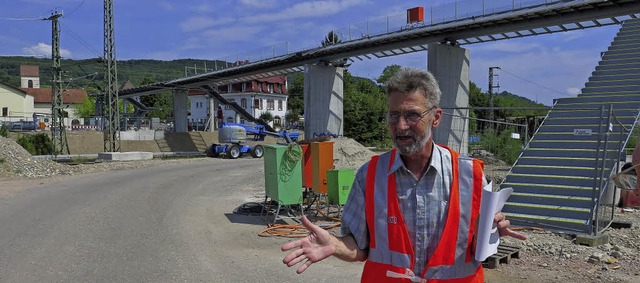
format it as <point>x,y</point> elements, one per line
<point>283,173</point>
<point>339,183</point>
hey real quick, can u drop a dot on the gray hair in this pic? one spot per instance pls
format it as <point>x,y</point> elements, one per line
<point>408,80</point>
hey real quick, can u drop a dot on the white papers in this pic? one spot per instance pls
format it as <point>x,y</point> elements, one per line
<point>488,237</point>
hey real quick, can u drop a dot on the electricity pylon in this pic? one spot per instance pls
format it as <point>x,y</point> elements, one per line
<point>58,131</point>
<point>110,96</point>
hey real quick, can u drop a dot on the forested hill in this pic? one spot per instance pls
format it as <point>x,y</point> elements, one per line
<point>79,72</point>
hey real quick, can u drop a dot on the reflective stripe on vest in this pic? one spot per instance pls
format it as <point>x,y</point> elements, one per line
<point>391,245</point>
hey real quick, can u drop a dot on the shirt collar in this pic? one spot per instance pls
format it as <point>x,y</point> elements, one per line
<point>436,160</point>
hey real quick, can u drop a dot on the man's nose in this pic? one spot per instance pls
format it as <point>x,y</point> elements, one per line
<point>402,123</point>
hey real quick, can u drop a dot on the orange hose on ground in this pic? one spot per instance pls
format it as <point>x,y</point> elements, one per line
<point>289,230</point>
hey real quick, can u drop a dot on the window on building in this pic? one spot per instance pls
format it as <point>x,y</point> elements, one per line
<point>228,106</point>
<point>30,84</point>
<point>259,86</point>
<point>257,103</point>
<point>243,103</point>
<point>277,121</point>
<point>229,88</point>
<point>270,88</point>
<point>242,121</point>
<point>230,119</point>
<point>279,105</point>
<point>244,87</point>
<point>5,111</point>
<point>270,104</point>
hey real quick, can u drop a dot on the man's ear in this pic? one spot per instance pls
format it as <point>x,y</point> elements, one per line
<point>436,118</point>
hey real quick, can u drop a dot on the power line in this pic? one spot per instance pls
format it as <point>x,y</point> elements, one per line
<point>76,8</point>
<point>535,83</point>
<point>21,19</point>
<point>80,40</point>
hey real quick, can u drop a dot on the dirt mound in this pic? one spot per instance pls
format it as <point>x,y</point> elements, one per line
<point>348,153</point>
<point>15,161</point>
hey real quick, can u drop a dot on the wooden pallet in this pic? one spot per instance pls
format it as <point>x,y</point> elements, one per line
<point>504,254</point>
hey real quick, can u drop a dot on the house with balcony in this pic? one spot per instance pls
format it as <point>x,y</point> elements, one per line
<point>256,96</point>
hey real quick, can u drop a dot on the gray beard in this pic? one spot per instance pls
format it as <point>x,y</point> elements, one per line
<point>415,147</point>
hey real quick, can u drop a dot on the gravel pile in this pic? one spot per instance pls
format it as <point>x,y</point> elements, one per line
<point>348,153</point>
<point>15,161</point>
<point>555,257</point>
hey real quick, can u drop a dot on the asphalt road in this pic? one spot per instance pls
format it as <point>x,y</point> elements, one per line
<point>172,223</point>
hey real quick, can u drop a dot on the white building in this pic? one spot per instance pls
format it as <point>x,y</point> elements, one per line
<point>256,96</point>
<point>31,102</point>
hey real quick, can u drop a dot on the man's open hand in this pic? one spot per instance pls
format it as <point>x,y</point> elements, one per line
<point>311,249</point>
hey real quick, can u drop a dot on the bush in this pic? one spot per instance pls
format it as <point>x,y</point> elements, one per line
<point>4,131</point>
<point>38,144</point>
<point>502,145</point>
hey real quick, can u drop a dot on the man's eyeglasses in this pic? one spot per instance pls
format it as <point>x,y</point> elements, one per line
<point>411,117</point>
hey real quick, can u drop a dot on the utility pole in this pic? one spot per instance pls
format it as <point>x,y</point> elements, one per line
<point>491,90</point>
<point>58,131</point>
<point>110,97</point>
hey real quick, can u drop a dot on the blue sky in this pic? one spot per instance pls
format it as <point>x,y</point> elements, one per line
<point>540,68</point>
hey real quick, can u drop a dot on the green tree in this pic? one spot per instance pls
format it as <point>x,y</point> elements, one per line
<point>87,108</point>
<point>331,39</point>
<point>4,130</point>
<point>364,111</point>
<point>295,102</point>
<point>291,117</point>
<point>387,73</point>
<point>476,99</point>
<point>38,144</point>
<point>163,101</point>
<point>266,116</point>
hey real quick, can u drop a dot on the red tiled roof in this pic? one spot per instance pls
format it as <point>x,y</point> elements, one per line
<point>43,95</point>
<point>278,79</point>
<point>29,71</point>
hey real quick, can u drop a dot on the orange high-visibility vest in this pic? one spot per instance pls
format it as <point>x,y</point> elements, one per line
<point>391,255</point>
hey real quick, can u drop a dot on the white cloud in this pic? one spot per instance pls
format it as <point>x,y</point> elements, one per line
<point>227,37</point>
<point>196,23</point>
<point>202,8</point>
<point>164,55</point>
<point>43,49</point>
<point>166,5</point>
<point>258,3</point>
<point>312,9</point>
<point>507,46</point>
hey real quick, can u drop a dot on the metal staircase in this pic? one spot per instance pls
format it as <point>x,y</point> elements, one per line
<point>562,175</point>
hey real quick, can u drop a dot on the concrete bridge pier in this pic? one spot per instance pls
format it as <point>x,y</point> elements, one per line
<point>450,65</point>
<point>180,106</point>
<point>323,99</point>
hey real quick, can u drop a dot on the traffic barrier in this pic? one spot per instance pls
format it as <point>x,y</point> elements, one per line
<point>76,128</point>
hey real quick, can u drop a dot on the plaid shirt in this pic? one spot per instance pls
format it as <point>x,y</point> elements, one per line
<point>423,203</point>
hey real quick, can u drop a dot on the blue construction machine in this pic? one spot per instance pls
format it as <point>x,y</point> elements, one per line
<point>232,137</point>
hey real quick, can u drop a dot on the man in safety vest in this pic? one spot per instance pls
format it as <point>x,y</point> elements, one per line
<point>412,211</point>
